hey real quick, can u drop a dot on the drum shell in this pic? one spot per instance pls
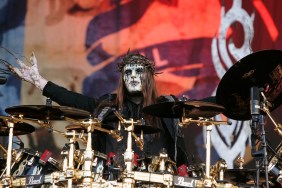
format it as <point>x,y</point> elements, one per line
<point>27,162</point>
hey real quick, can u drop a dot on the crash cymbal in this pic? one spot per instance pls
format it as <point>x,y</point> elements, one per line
<point>20,128</point>
<point>147,129</point>
<point>44,112</point>
<point>262,69</point>
<point>193,109</point>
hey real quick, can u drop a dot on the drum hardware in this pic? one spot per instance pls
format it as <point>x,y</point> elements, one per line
<point>90,125</point>
<point>153,178</point>
<point>201,122</point>
<point>208,124</point>
<point>54,178</point>
<point>189,111</point>
<point>162,164</point>
<point>163,158</point>
<point>69,173</point>
<point>2,148</point>
<point>129,127</point>
<point>64,154</point>
<point>12,122</point>
<point>275,164</point>
<point>240,161</point>
<point>217,170</point>
<point>127,179</point>
<point>257,123</point>
<point>265,108</point>
<point>85,159</point>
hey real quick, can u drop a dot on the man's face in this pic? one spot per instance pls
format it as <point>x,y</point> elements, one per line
<point>132,77</point>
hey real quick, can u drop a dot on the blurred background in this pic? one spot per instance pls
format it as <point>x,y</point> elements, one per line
<point>193,43</point>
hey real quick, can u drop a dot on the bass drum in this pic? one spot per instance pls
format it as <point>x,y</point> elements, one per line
<point>27,162</point>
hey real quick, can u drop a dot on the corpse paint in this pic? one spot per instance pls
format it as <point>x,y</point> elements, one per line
<point>132,77</point>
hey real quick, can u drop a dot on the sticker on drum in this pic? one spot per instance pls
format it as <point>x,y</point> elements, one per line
<point>27,162</point>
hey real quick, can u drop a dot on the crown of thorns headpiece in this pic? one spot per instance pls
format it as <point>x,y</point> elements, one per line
<point>136,59</point>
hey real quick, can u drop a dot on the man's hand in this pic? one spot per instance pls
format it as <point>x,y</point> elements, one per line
<point>29,73</point>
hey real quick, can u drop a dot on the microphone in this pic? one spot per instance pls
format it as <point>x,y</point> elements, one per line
<point>255,100</point>
<point>255,112</point>
<point>3,80</point>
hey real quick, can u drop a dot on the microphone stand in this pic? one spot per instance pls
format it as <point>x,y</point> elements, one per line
<point>257,120</point>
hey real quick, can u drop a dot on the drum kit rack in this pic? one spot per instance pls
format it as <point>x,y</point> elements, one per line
<point>249,90</point>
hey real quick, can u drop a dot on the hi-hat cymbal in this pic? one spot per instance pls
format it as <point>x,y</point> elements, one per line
<point>261,69</point>
<point>44,112</point>
<point>192,108</point>
<point>20,128</point>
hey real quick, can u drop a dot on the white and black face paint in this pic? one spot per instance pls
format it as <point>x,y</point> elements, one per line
<point>132,77</point>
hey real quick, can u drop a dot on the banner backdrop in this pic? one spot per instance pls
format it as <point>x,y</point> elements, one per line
<point>193,43</point>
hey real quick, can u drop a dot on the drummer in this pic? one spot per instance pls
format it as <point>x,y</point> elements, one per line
<point>136,89</point>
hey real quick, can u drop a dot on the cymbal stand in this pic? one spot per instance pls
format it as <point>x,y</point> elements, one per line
<point>8,179</point>
<point>207,182</point>
<point>88,155</point>
<point>218,169</point>
<point>258,120</point>
<point>208,123</point>
<point>70,169</point>
<point>91,125</point>
<point>186,121</point>
<point>128,180</point>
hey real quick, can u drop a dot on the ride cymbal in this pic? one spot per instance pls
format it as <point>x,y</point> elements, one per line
<point>192,109</point>
<point>261,69</point>
<point>44,112</point>
<point>20,128</point>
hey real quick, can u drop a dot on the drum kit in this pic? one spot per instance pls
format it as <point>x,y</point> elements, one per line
<point>250,90</point>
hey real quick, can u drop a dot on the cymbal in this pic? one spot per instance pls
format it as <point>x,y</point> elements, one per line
<point>262,69</point>
<point>147,129</point>
<point>193,109</point>
<point>19,128</point>
<point>44,112</point>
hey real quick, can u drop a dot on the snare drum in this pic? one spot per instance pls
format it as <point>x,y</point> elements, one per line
<point>27,162</point>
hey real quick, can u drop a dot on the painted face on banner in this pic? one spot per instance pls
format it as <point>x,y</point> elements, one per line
<point>132,77</point>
